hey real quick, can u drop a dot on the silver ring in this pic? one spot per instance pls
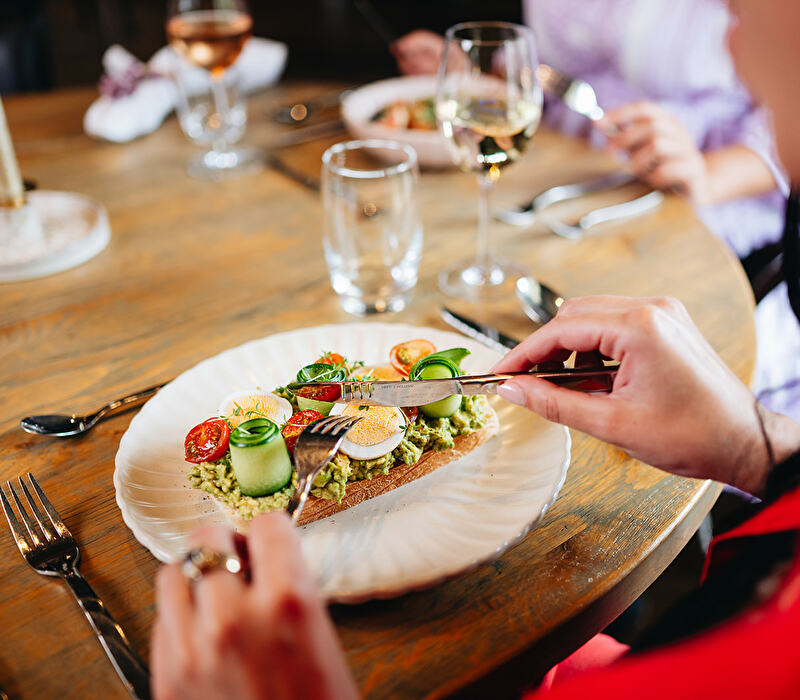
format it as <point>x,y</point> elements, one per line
<point>201,560</point>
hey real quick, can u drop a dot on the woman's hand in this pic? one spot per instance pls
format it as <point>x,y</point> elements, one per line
<point>223,637</point>
<point>418,52</point>
<point>660,150</point>
<point>674,405</point>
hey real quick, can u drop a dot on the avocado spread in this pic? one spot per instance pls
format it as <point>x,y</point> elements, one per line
<point>218,479</point>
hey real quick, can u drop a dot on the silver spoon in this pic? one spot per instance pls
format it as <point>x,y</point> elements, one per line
<point>68,426</point>
<point>539,302</point>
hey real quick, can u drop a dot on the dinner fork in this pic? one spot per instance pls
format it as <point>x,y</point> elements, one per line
<point>51,550</point>
<point>615,212</point>
<point>314,449</point>
<point>577,94</point>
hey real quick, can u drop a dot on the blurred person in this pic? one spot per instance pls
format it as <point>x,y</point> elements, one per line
<point>680,117</point>
<point>674,405</point>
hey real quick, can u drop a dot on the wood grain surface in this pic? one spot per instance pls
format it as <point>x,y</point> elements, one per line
<point>196,267</point>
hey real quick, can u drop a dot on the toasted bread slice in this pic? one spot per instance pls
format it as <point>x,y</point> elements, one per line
<point>358,491</point>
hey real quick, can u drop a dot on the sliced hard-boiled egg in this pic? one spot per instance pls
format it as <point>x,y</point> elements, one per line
<point>242,406</point>
<point>380,431</point>
<point>379,373</point>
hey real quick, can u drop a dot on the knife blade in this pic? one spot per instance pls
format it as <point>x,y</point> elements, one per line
<point>487,335</point>
<point>423,391</point>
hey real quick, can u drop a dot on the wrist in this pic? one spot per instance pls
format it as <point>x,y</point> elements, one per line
<point>778,439</point>
<point>784,437</point>
<point>705,189</point>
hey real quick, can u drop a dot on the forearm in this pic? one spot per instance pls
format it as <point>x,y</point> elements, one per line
<point>735,172</point>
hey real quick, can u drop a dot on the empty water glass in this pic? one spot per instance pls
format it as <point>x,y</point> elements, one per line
<point>372,235</point>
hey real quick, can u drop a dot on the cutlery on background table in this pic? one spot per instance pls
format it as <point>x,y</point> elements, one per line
<point>486,335</point>
<point>526,214</point>
<point>539,302</point>
<point>305,134</point>
<point>616,212</point>
<point>279,165</point>
<point>315,447</point>
<point>50,549</point>
<point>60,425</point>
<point>301,112</point>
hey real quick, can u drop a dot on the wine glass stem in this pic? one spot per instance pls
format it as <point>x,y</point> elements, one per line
<point>484,256</point>
<point>222,108</point>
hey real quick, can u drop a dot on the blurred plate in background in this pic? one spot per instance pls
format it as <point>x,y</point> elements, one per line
<point>360,106</point>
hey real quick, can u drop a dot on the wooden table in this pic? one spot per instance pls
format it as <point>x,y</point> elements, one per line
<point>196,267</point>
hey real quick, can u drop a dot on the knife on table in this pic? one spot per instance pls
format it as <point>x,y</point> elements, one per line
<point>281,166</point>
<point>423,391</point>
<point>484,334</point>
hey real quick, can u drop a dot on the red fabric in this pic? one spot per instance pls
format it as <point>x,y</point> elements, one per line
<point>782,515</point>
<point>756,655</point>
<point>601,650</point>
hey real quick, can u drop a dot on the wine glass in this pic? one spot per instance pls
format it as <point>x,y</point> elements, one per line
<point>210,34</point>
<point>488,106</point>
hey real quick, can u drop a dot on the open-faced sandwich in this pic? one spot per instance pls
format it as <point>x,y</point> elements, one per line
<point>244,456</point>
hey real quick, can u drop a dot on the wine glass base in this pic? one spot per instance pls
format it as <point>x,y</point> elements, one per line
<point>364,307</point>
<point>224,165</point>
<point>473,282</point>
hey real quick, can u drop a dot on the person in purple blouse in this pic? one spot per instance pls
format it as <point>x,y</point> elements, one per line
<point>681,119</point>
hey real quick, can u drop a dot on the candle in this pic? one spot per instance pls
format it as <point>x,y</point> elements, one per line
<point>11,191</point>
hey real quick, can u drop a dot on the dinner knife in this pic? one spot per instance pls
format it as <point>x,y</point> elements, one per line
<point>280,166</point>
<point>423,391</point>
<point>484,334</point>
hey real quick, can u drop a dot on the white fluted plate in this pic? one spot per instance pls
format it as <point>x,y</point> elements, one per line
<point>465,513</point>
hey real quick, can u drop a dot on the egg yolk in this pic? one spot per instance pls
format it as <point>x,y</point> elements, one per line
<point>380,373</point>
<point>257,406</point>
<point>379,423</point>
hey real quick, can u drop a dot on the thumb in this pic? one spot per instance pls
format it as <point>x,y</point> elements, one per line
<point>589,413</point>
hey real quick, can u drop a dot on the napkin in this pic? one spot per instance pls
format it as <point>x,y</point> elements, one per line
<point>136,97</point>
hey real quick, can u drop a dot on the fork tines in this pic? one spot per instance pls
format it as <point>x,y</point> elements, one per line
<point>49,528</point>
<point>334,425</point>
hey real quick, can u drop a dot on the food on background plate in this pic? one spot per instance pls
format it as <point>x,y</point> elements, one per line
<point>244,457</point>
<point>416,114</point>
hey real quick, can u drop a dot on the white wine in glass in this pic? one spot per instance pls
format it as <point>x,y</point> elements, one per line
<point>488,106</point>
<point>210,34</point>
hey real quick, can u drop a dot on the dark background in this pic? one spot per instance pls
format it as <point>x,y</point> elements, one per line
<point>48,44</point>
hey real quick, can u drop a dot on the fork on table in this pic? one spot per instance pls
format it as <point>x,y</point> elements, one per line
<point>50,549</point>
<point>314,449</point>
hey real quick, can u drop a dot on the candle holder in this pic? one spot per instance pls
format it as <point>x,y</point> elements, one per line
<point>50,232</point>
<point>43,232</point>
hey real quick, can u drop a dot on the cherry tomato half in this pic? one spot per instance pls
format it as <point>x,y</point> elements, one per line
<point>296,424</point>
<point>207,442</point>
<point>330,358</point>
<point>404,355</point>
<point>323,392</point>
